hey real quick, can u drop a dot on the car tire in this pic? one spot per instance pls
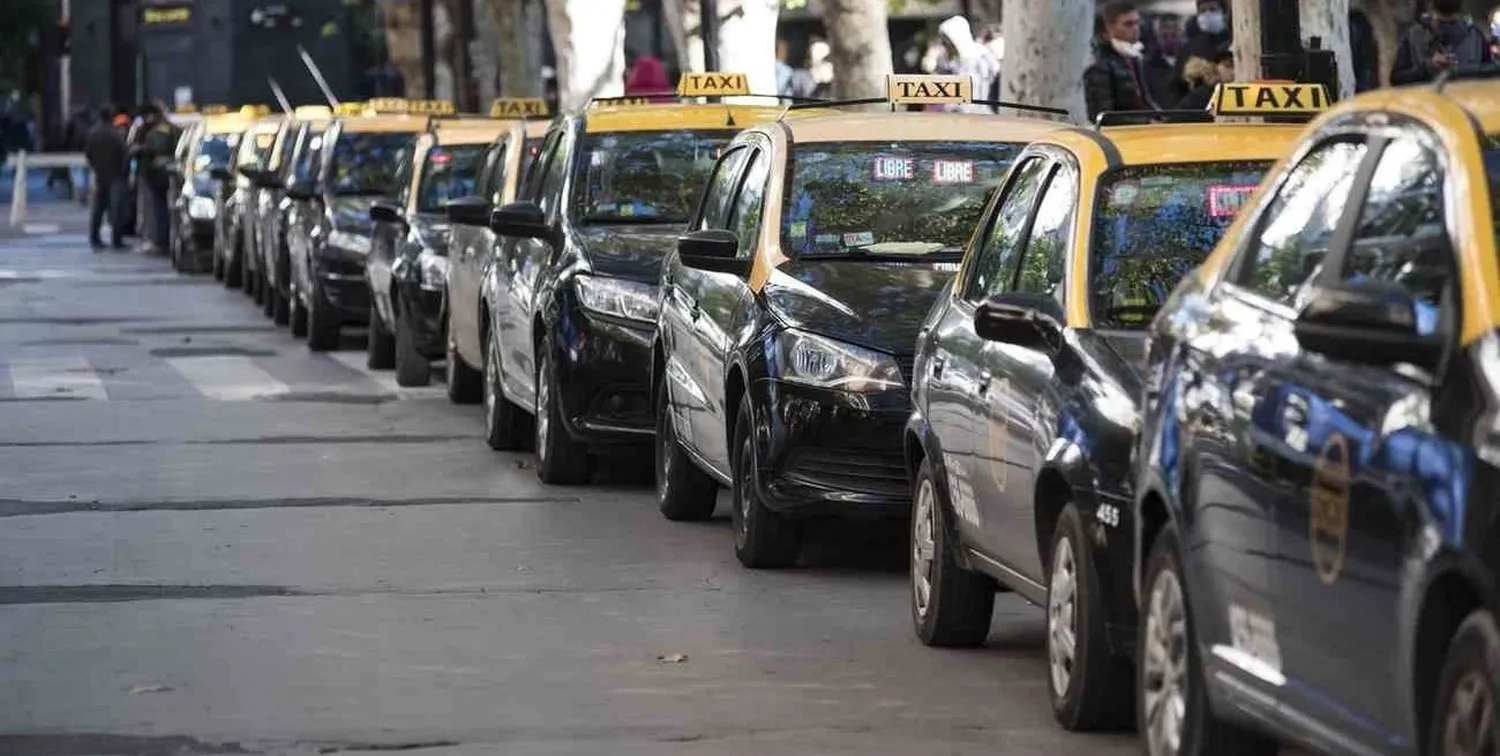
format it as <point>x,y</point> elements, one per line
<point>281,310</point>
<point>505,424</point>
<point>1171,676</point>
<point>560,461</point>
<point>217,265</point>
<point>684,493</point>
<point>323,321</point>
<point>267,297</point>
<point>175,245</point>
<point>465,384</point>
<point>763,538</point>
<point>958,604</point>
<point>412,367</point>
<point>234,268</point>
<point>380,347</point>
<point>298,316</point>
<point>1089,686</point>
<point>1468,685</point>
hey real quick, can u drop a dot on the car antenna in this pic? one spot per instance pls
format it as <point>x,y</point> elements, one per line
<point>286,105</point>
<point>312,68</point>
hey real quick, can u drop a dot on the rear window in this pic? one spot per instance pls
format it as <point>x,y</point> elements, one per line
<point>366,163</point>
<point>256,149</point>
<point>647,176</point>
<point>1152,225</point>
<point>449,173</point>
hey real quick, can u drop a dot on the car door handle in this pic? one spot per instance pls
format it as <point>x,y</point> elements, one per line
<point>695,311</point>
<point>985,378</point>
<point>938,362</point>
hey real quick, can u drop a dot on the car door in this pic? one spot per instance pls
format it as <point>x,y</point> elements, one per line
<point>955,370</point>
<point>1226,406</point>
<point>472,247</point>
<point>1348,513</point>
<point>1019,393</point>
<point>385,240</point>
<point>526,262</point>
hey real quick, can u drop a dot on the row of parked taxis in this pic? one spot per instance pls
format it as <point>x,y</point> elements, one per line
<point>1221,393</point>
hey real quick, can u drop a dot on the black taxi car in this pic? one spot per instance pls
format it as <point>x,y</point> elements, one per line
<point>407,270</point>
<point>358,160</point>
<point>473,245</point>
<point>572,291</point>
<point>1317,467</point>
<point>294,141</point>
<point>1026,386</point>
<point>233,224</point>
<point>790,310</point>
<point>194,212</point>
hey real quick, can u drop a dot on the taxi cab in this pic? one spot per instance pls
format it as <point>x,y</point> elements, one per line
<point>234,221</point>
<point>789,312</point>
<point>472,244</point>
<point>293,143</point>
<point>1316,471</point>
<point>209,147</point>
<point>329,247</point>
<point>570,301</point>
<point>408,267</point>
<point>1026,384</point>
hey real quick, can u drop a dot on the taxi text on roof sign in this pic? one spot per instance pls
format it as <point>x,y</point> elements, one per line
<point>311,111</point>
<point>430,107</point>
<point>255,111</point>
<point>518,107</point>
<point>928,90</point>
<point>215,109</point>
<point>1252,98</point>
<point>713,83</point>
<point>387,105</point>
<point>349,108</point>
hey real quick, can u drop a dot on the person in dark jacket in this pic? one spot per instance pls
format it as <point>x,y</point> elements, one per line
<point>104,148</point>
<point>157,142</point>
<point>1207,34</point>
<point>1363,52</point>
<point>1161,57</point>
<point>1204,76</point>
<point>1442,40</point>
<point>1116,80</point>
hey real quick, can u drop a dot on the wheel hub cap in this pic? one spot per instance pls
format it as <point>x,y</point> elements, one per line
<point>1470,727</point>
<point>1061,610</point>
<point>665,441</point>
<point>923,547</point>
<point>1164,670</point>
<point>491,377</point>
<point>543,404</point>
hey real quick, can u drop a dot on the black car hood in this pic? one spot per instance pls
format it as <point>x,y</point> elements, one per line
<point>634,252</point>
<point>352,214</point>
<point>880,305</point>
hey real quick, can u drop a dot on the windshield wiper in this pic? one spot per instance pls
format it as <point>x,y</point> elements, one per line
<point>359,193</point>
<point>633,219</point>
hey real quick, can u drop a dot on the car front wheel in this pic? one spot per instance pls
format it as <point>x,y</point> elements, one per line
<point>763,538</point>
<point>1466,711</point>
<point>505,427</point>
<point>684,493</point>
<point>560,460</point>
<point>950,606</point>
<point>1090,687</point>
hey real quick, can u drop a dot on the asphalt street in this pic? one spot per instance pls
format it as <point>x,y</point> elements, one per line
<point>214,541</point>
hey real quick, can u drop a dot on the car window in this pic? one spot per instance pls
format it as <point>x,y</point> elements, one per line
<point>448,173</point>
<point>1294,233</point>
<point>720,189</point>
<point>644,176</point>
<point>1401,237</point>
<point>492,178</point>
<point>999,251</point>
<point>532,180</point>
<point>365,163</point>
<point>750,206</point>
<point>1047,247</point>
<point>402,177</point>
<point>555,177</point>
<point>306,168</point>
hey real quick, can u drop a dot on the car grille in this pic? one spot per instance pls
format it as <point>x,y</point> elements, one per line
<point>854,470</point>
<point>908,365</point>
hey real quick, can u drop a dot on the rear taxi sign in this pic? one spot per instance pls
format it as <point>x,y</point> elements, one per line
<point>430,107</point>
<point>349,108</point>
<point>215,109</point>
<point>1259,98</point>
<point>928,90</point>
<point>713,84</point>
<point>518,107</point>
<point>387,105</point>
<point>255,111</point>
<point>185,108</point>
<point>311,111</point>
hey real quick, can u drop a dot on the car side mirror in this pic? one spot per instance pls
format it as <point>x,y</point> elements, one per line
<point>1370,323</point>
<point>469,211</point>
<point>220,173</point>
<point>271,180</point>
<point>522,219</point>
<point>248,172</point>
<point>1025,319</point>
<point>383,213</point>
<point>713,250</point>
<point>301,190</point>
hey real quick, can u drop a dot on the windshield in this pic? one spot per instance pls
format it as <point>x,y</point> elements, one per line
<point>306,168</point>
<point>851,199</point>
<point>645,176</point>
<point>366,163</point>
<point>1152,225</point>
<point>255,151</point>
<point>214,151</point>
<point>449,173</point>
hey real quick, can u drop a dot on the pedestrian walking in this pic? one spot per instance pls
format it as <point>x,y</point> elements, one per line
<point>785,74</point>
<point>967,57</point>
<point>1116,80</point>
<point>109,159</point>
<point>1441,40</point>
<point>1162,55</point>
<point>816,80</point>
<point>156,145</point>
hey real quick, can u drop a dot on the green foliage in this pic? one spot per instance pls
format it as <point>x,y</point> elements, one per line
<point>20,21</point>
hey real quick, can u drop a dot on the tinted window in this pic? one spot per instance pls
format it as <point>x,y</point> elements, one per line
<point>720,190</point>
<point>652,176</point>
<point>449,173</point>
<point>911,198</point>
<point>532,147</point>
<point>214,152</point>
<point>1294,233</point>
<point>307,161</point>
<point>255,148</point>
<point>1046,255</point>
<point>1152,225</point>
<point>749,208</point>
<point>556,175</point>
<point>366,163</point>
<point>1401,237</point>
<point>1000,250</point>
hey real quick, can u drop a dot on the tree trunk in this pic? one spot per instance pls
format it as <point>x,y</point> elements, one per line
<point>683,18</point>
<point>402,24</point>
<point>484,54</point>
<point>1329,19</point>
<point>1387,19</point>
<point>860,47</point>
<point>1246,34</point>
<point>747,41</point>
<point>443,79</point>
<point>589,37</point>
<point>1046,52</point>
<point>517,55</point>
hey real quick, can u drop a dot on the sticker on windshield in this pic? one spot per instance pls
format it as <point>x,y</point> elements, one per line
<point>627,210</point>
<point>605,207</point>
<point>825,239</point>
<point>861,239</point>
<point>1124,194</point>
<point>798,230</point>
<point>895,168</point>
<point>952,171</point>
<point>1226,200</point>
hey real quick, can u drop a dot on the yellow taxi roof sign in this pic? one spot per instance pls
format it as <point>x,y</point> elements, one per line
<point>255,111</point>
<point>1260,98</point>
<point>713,84</point>
<point>215,109</point>
<point>600,102</point>
<point>387,105</point>
<point>912,89</point>
<point>311,111</point>
<point>185,108</point>
<point>349,108</point>
<point>518,107</point>
<point>430,107</point>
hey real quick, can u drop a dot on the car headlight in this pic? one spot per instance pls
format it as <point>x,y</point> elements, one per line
<point>432,270</point>
<point>345,240</point>
<point>813,360</point>
<point>202,208</point>
<point>618,297</point>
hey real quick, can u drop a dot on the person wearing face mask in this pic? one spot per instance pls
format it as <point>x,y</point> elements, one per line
<point>1161,57</point>
<point>1207,33</point>
<point>1442,40</point>
<point>1116,80</point>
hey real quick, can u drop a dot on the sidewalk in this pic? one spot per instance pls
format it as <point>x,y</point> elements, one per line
<point>47,218</point>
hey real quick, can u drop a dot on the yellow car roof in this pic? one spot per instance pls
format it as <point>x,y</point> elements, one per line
<point>471,133</point>
<point>673,116</point>
<point>226,123</point>
<point>826,126</point>
<point>536,129</point>
<point>392,123</point>
<point>1181,142</point>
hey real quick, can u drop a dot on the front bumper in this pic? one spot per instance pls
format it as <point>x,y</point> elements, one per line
<point>604,378</point>
<point>830,453</point>
<point>341,282</point>
<point>422,311</point>
<point>199,238</point>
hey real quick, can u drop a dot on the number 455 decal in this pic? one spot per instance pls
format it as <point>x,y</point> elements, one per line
<point>1108,514</point>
